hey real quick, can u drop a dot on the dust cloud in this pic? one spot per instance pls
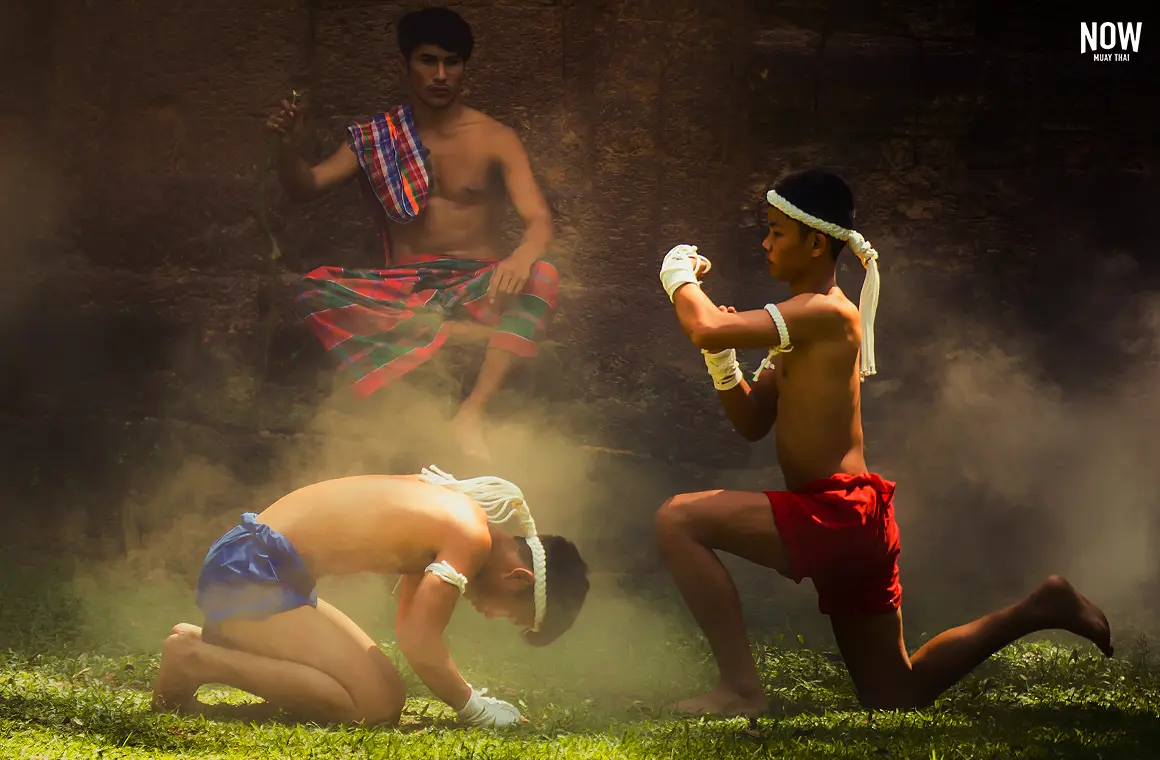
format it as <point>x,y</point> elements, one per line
<point>1007,474</point>
<point>132,600</point>
<point>1004,476</point>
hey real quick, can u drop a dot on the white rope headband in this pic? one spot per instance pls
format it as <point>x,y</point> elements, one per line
<point>501,501</point>
<point>868,301</point>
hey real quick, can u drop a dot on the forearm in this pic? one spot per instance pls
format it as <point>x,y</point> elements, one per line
<point>750,408</point>
<point>745,412</point>
<point>538,236</point>
<point>435,668</point>
<point>294,173</point>
<point>695,312</point>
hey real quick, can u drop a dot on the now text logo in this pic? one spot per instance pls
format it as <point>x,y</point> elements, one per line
<point>1109,41</point>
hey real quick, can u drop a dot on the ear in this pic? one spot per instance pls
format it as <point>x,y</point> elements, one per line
<point>816,241</point>
<point>521,575</point>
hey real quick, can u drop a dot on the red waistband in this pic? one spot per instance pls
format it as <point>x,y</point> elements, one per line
<point>843,481</point>
<point>421,258</point>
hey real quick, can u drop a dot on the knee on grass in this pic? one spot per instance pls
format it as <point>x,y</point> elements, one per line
<point>901,696</point>
<point>374,705</point>
<point>375,715</point>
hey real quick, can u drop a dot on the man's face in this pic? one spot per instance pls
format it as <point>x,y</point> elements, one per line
<point>506,595</point>
<point>789,248</point>
<point>435,75</point>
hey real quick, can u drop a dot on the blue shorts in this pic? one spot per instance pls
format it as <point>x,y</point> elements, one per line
<point>252,573</point>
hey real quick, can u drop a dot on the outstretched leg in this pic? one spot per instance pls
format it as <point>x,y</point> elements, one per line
<point>886,678</point>
<point>689,528</point>
<point>312,662</point>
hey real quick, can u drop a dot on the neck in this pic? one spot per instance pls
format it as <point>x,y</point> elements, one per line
<point>503,543</point>
<point>820,280</point>
<point>426,116</point>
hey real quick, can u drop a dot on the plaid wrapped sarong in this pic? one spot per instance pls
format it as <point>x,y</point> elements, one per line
<point>388,149</point>
<point>383,323</point>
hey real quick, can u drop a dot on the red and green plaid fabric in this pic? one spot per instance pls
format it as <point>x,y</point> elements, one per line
<point>388,149</point>
<point>383,323</point>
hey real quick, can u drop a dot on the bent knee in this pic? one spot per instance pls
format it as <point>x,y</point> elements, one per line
<point>544,280</point>
<point>383,713</point>
<point>674,515</point>
<point>380,701</point>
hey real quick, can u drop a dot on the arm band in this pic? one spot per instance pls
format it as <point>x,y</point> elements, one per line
<point>445,572</point>
<point>782,330</point>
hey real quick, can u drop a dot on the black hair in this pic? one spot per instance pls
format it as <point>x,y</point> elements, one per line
<point>567,575</point>
<point>434,26</point>
<point>821,193</point>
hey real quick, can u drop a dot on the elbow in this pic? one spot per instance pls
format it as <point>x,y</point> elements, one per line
<point>706,338</point>
<point>751,435</point>
<point>406,637</point>
<point>544,229</point>
<point>411,647</point>
<point>755,434</point>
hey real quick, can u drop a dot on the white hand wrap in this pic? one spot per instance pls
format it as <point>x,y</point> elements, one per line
<point>487,711</point>
<point>679,268</point>
<point>723,368</point>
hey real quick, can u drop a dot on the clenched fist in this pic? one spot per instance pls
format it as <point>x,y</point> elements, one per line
<point>286,121</point>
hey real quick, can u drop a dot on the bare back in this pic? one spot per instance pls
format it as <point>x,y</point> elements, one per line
<point>384,524</point>
<point>819,411</point>
<point>466,202</point>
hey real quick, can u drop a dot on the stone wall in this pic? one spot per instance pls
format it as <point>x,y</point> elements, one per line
<point>999,173</point>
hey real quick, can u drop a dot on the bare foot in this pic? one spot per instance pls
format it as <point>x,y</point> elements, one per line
<point>468,429</point>
<point>177,681</point>
<point>1061,606</point>
<point>725,702</point>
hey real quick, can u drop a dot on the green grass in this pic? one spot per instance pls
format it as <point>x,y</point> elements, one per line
<point>77,662</point>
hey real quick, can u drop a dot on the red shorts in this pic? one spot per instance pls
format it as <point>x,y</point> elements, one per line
<point>840,532</point>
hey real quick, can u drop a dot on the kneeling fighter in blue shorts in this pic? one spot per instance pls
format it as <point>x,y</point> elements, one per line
<point>267,632</point>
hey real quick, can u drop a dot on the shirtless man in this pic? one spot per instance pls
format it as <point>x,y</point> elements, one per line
<point>266,631</point>
<point>432,170</point>
<point>835,523</point>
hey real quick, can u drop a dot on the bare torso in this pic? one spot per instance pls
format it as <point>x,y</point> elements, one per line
<point>819,411</point>
<point>465,205</point>
<point>386,524</point>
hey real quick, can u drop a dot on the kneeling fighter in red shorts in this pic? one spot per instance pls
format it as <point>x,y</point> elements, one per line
<point>835,524</point>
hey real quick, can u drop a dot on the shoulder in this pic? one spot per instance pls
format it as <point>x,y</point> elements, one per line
<point>832,306</point>
<point>824,315</point>
<point>465,520</point>
<point>841,315</point>
<point>844,309</point>
<point>503,139</point>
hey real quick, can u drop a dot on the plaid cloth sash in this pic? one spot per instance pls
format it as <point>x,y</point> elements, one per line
<point>388,149</point>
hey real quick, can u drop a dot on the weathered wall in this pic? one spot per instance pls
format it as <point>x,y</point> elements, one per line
<point>995,169</point>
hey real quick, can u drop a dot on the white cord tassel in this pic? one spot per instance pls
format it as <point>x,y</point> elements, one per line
<point>501,500</point>
<point>868,301</point>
